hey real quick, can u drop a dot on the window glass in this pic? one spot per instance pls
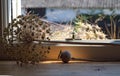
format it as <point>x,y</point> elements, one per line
<point>74,23</point>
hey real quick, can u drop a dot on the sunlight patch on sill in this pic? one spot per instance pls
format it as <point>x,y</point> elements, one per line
<point>50,62</point>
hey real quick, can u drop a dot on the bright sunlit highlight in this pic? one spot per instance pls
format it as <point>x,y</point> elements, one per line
<point>50,62</point>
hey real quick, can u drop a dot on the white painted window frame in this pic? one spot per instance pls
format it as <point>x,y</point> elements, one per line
<point>4,15</point>
<point>6,11</point>
<point>16,9</point>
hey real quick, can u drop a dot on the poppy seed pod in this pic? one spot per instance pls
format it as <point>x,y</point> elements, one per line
<point>65,56</point>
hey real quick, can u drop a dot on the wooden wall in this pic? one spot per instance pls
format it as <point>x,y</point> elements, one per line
<point>72,3</point>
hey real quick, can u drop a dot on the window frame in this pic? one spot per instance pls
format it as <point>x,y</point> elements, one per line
<point>4,15</point>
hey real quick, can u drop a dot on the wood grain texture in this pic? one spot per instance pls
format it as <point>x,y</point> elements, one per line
<point>72,3</point>
<point>60,69</point>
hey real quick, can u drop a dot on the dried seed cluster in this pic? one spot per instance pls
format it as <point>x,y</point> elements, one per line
<point>21,35</point>
<point>87,31</point>
<point>29,28</point>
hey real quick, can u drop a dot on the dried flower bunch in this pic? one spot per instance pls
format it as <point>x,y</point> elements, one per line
<point>29,28</point>
<point>81,30</point>
<point>62,32</point>
<point>86,31</point>
<point>22,33</point>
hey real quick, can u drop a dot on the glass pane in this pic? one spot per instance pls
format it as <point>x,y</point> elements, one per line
<point>75,23</point>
